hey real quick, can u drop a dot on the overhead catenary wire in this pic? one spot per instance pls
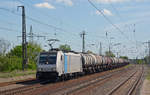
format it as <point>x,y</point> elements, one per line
<point>8,29</point>
<point>43,13</point>
<point>36,21</point>
<point>8,22</point>
<point>108,20</point>
<point>29,3</point>
<point>115,9</point>
<point>3,28</point>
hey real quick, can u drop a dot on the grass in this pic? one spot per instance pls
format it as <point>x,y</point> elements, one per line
<point>16,73</point>
<point>30,72</point>
<point>148,75</point>
<point>128,65</point>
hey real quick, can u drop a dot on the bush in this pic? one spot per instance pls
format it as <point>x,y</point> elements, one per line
<point>13,59</point>
<point>8,64</point>
<point>31,65</point>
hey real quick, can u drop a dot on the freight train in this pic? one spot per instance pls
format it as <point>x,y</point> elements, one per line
<point>58,64</point>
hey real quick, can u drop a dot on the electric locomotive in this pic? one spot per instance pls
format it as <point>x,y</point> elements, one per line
<point>57,64</point>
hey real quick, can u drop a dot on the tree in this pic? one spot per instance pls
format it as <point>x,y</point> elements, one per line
<point>89,51</point>
<point>16,51</point>
<point>32,50</point>
<point>140,61</point>
<point>124,57</point>
<point>65,47</point>
<point>13,59</point>
<point>109,54</point>
<point>4,46</point>
<point>146,59</point>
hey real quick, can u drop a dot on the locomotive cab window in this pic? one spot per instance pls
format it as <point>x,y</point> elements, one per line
<point>48,58</point>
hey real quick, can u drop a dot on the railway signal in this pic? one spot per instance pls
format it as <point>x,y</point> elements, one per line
<point>83,40</point>
<point>100,48</point>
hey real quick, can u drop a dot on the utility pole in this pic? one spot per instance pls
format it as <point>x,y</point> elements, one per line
<point>31,35</point>
<point>149,50</point>
<point>83,41</point>
<point>110,44</point>
<point>100,48</point>
<point>24,42</point>
<point>117,54</point>
<point>109,48</point>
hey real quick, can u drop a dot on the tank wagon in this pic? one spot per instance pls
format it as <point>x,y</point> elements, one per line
<point>58,64</point>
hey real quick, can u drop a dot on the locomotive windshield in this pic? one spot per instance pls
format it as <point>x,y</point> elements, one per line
<point>48,58</point>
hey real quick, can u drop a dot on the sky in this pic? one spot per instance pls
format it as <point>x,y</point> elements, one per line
<point>125,21</point>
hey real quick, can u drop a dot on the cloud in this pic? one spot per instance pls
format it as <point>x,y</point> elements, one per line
<point>98,13</point>
<point>66,2</point>
<point>10,4</point>
<point>108,1</point>
<point>44,5</point>
<point>105,11</point>
<point>117,1</point>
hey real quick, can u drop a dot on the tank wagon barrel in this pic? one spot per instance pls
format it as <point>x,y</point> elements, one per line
<point>93,63</point>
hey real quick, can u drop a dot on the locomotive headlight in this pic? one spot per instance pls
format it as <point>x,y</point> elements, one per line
<point>39,69</point>
<point>53,69</point>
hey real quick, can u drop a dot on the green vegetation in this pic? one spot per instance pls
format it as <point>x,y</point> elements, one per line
<point>89,51</point>
<point>129,65</point>
<point>148,75</point>
<point>4,46</point>
<point>16,73</point>
<point>12,60</point>
<point>10,63</point>
<point>124,57</point>
<point>109,54</point>
<point>140,61</point>
<point>65,47</point>
<point>146,59</point>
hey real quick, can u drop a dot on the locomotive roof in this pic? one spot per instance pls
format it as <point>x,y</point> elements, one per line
<point>48,52</point>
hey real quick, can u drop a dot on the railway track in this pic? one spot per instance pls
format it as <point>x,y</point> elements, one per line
<point>93,87</point>
<point>123,84</point>
<point>69,89</point>
<point>37,84</point>
<point>78,86</point>
<point>64,87</point>
<point>138,82</point>
<point>15,82</point>
<point>98,82</point>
